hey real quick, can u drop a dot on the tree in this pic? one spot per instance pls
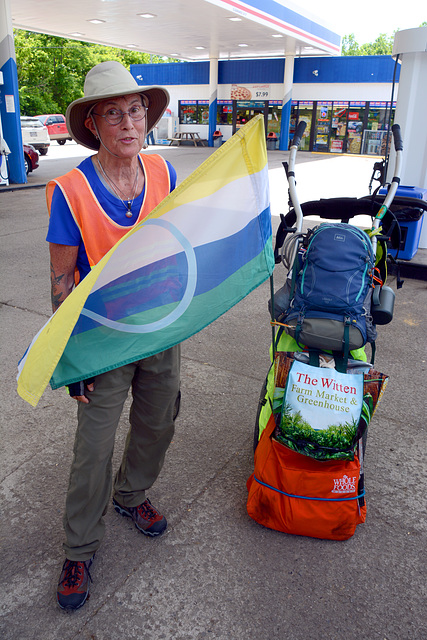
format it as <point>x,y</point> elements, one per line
<point>382,46</point>
<point>51,70</point>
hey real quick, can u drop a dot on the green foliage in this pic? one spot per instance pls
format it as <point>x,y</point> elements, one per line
<point>51,70</point>
<point>334,443</point>
<point>382,46</point>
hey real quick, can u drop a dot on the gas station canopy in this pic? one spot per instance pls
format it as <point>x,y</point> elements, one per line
<point>188,30</point>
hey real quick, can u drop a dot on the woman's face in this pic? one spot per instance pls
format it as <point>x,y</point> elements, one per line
<point>126,138</point>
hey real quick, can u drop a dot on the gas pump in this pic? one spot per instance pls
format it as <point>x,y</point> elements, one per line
<point>4,152</point>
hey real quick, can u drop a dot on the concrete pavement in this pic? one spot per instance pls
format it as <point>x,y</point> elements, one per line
<point>215,574</point>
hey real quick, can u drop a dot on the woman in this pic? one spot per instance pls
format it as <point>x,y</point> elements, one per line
<point>91,208</point>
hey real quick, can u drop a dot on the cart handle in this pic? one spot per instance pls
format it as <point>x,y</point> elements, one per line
<point>397,137</point>
<point>398,145</point>
<point>299,134</point>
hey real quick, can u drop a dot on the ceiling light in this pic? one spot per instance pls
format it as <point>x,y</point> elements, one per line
<point>131,46</point>
<point>76,34</point>
<point>146,15</point>
<point>96,21</point>
<point>243,45</point>
<point>276,35</point>
<point>200,47</point>
<point>235,19</point>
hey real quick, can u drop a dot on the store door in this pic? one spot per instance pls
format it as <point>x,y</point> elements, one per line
<point>246,110</point>
<point>337,139</point>
<point>305,113</point>
<point>323,126</point>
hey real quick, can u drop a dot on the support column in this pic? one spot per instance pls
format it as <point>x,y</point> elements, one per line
<point>213,98</point>
<point>411,45</point>
<point>9,97</point>
<point>287,102</point>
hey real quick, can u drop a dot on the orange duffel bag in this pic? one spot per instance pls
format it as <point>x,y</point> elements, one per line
<point>297,494</point>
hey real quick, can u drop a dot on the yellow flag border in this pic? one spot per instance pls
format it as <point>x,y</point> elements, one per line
<point>69,311</point>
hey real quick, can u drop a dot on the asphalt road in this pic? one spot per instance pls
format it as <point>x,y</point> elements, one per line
<point>215,574</point>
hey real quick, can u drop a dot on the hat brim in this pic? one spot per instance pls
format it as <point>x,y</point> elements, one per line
<point>77,111</point>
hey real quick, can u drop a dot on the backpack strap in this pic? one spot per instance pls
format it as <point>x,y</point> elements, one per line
<point>313,356</point>
<point>373,349</point>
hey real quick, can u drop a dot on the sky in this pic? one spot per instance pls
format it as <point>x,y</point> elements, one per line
<point>367,18</point>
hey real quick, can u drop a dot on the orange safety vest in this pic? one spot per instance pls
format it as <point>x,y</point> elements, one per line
<point>99,232</point>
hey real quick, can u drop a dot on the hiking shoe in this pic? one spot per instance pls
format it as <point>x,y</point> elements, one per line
<point>73,585</point>
<point>146,518</point>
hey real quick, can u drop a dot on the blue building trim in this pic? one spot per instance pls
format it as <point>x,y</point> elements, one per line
<point>284,126</point>
<point>251,71</point>
<point>212,121</point>
<point>171,73</point>
<point>229,72</point>
<point>11,123</point>
<point>344,69</point>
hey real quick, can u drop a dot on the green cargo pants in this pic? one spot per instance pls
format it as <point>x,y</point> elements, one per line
<point>155,385</point>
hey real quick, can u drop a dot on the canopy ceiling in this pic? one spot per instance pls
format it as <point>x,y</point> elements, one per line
<point>183,29</point>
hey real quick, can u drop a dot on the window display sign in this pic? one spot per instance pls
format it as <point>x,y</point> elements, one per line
<point>337,146</point>
<point>250,92</point>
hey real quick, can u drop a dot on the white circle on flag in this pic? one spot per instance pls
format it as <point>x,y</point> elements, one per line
<point>182,305</point>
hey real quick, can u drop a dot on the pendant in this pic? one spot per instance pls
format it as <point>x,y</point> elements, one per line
<point>129,212</point>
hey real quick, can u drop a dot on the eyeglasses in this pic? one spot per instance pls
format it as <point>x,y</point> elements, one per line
<point>115,116</point>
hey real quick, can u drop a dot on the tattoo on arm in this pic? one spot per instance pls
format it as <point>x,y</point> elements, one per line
<point>55,283</point>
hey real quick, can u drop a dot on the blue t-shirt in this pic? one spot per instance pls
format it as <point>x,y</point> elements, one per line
<point>62,226</point>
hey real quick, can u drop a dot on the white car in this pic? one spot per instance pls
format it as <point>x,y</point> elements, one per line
<point>35,133</point>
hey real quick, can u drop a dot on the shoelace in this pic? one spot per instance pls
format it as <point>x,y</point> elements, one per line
<point>147,511</point>
<point>73,573</point>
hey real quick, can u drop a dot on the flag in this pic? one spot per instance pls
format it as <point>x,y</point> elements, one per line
<point>200,251</point>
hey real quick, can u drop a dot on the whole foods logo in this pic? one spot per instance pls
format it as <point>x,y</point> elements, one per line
<point>344,485</point>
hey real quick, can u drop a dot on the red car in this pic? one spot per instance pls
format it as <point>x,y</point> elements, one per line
<point>56,126</point>
<point>31,158</point>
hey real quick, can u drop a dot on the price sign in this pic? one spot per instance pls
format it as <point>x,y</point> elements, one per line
<point>250,92</point>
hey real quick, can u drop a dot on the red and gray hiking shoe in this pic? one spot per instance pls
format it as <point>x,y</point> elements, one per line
<point>146,518</point>
<point>73,585</point>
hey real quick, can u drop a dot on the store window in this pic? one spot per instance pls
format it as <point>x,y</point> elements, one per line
<point>248,109</point>
<point>193,111</point>
<point>274,117</point>
<point>203,111</point>
<point>338,131</point>
<point>305,113</point>
<point>293,119</point>
<point>356,116</point>
<point>376,136</point>
<point>323,126</point>
<point>225,112</point>
<point>188,112</point>
<point>343,127</point>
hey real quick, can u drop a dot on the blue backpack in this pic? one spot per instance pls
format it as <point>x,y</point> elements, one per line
<point>331,290</point>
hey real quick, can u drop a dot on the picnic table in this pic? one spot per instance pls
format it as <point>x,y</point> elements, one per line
<point>181,136</point>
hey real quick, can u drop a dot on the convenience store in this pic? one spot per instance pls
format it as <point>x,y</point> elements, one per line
<point>345,101</point>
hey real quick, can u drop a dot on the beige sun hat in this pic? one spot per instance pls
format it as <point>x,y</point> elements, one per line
<point>109,80</point>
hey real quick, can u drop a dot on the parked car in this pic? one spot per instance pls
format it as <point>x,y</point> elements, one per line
<point>31,158</point>
<point>56,126</point>
<point>36,134</point>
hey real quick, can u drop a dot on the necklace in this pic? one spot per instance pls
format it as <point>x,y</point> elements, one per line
<point>129,201</point>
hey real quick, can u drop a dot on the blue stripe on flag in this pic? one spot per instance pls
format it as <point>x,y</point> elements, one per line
<point>164,282</point>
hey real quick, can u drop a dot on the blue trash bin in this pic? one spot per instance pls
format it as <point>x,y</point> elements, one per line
<point>410,220</point>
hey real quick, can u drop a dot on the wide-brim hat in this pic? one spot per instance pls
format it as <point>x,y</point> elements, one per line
<point>109,80</point>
